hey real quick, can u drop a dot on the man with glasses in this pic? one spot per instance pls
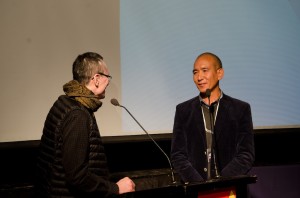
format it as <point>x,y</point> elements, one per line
<point>212,132</point>
<point>72,161</point>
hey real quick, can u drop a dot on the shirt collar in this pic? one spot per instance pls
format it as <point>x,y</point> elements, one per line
<point>202,101</point>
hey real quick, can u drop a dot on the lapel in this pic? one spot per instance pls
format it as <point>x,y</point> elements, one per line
<point>198,119</point>
<point>222,116</point>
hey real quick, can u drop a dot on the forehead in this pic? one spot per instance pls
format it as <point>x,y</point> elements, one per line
<point>205,61</point>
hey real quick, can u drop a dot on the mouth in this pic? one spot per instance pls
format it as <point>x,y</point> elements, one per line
<point>202,87</point>
<point>201,84</point>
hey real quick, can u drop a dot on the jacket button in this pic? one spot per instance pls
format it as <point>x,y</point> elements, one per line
<point>205,169</point>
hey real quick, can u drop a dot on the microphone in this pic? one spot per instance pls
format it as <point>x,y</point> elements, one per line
<point>208,93</point>
<point>211,108</point>
<point>211,117</point>
<point>116,103</point>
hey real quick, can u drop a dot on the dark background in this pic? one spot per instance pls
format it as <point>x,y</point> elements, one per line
<point>277,164</point>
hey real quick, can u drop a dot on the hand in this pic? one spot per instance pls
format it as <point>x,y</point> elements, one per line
<point>126,185</point>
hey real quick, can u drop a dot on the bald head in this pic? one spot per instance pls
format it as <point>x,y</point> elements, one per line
<point>218,62</point>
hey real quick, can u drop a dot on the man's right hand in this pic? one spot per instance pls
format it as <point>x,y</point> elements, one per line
<point>126,185</point>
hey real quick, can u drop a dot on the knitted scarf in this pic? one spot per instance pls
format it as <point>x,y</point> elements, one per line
<point>82,94</point>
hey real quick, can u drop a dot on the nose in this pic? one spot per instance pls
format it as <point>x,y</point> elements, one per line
<point>198,77</point>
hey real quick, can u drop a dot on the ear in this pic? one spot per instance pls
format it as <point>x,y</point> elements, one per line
<point>220,73</point>
<point>94,82</point>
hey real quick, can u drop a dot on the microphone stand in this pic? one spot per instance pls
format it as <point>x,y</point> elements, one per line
<point>172,171</point>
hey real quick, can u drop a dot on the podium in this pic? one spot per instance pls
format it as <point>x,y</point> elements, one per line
<point>229,187</point>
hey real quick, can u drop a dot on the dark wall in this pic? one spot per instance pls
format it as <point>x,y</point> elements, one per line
<point>273,148</point>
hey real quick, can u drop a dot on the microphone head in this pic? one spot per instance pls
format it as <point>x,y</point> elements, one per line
<point>114,102</point>
<point>207,93</point>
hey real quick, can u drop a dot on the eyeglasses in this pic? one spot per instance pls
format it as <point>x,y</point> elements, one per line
<point>107,76</point>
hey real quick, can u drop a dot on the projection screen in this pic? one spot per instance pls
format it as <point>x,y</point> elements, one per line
<point>150,48</point>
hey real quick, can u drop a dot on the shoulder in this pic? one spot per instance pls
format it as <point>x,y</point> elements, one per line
<point>67,101</point>
<point>66,106</point>
<point>235,105</point>
<point>234,101</point>
<point>188,103</point>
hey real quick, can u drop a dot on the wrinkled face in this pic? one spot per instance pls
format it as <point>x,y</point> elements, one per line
<point>207,73</point>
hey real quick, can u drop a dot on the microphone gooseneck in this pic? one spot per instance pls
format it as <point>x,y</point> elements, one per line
<point>116,103</point>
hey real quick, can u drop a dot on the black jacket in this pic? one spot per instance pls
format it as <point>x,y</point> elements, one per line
<point>234,139</point>
<point>72,161</point>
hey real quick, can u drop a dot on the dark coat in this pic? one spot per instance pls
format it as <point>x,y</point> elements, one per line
<point>234,139</point>
<point>72,160</point>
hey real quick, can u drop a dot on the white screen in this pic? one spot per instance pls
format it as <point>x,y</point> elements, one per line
<point>150,48</point>
<point>257,41</point>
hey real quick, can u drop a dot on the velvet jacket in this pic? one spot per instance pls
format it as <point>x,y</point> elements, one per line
<point>234,139</point>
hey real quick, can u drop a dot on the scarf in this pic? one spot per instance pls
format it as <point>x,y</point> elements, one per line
<point>82,94</point>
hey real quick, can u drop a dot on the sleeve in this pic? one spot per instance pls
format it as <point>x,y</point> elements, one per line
<point>75,155</point>
<point>179,156</point>
<point>244,157</point>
